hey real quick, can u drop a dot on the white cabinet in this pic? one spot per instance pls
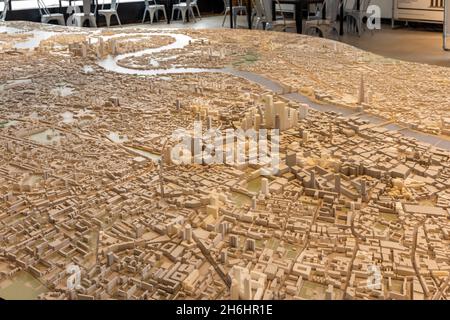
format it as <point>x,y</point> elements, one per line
<point>419,10</point>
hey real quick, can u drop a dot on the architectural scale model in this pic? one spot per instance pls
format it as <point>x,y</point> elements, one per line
<point>94,204</point>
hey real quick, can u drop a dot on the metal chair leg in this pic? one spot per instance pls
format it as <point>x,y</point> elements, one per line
<point>145,13</point>
<point>225,16</point>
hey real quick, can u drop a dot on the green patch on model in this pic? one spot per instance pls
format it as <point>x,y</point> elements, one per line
<point>21,286</point>
<point>389,216</point>
<point>290,254</point>
<point>312,291</point>
<point>259,244</point>
<point>240,199</point>
<point>379,227</point>
<point>254,185</point>
<point>272,244</point>
<point>291,251</point>
<point>248,58</point>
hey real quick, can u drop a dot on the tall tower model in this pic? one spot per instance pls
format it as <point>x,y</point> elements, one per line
<point>361,93</point>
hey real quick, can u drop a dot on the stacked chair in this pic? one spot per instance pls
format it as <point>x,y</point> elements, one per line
<point>47,16</point>
<point>152,8</point>
<point>110,12</point>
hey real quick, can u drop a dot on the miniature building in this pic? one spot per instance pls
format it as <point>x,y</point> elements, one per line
<point>356,208</point>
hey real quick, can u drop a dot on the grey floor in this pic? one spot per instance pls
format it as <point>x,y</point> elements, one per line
<point>401,43</point>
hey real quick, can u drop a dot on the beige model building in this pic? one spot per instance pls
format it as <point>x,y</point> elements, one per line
<point>94,203</point>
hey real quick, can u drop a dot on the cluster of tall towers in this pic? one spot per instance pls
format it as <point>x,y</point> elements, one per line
<point>101,48</point>
<point>278,115</point>
<point>274,115</point>
<point>247,285</point>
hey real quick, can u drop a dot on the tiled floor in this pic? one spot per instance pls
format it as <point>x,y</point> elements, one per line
<point>401,43</point>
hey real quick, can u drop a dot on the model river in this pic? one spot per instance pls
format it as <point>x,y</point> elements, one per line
<point>22,284</point>
<point>112,64</point>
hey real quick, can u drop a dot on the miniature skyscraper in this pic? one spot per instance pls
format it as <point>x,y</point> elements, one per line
<point>361,92</point>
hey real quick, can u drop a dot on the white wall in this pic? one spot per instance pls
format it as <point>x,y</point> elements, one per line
<point>386,7</point>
